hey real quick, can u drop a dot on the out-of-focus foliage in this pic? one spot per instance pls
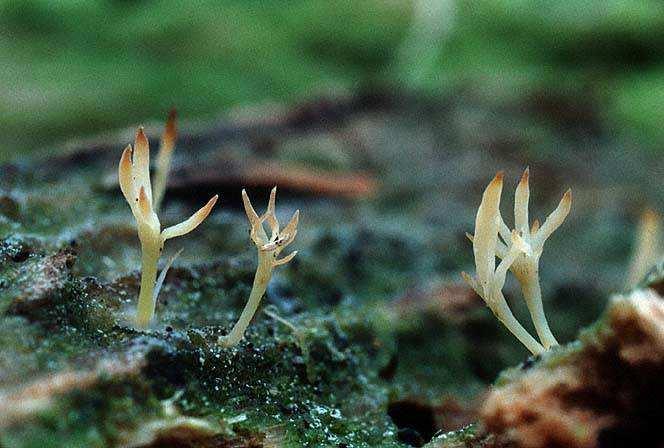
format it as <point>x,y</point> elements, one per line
<point>75,67</point>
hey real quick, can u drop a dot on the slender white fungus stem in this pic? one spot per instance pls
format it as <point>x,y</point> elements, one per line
<point>519,250</point>
<point>648,248</point>
<point>268,249</point>
<point>490,280</point>
<point>134,179</point>
<point>163,162</point>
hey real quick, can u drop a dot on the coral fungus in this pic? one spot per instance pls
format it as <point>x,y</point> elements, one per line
<point>163,162</point>
<point>648,248</point>
<point>134,178</point>
<point>520,250</point>
<point>269,249</point>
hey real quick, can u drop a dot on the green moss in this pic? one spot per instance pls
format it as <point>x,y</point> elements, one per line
<point>305,379</point>
<point>467,437</point>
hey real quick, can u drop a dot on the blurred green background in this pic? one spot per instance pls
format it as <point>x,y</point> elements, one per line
<point>73,68</point>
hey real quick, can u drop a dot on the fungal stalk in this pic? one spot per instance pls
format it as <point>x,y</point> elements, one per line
<point>526,266</point>
<point>648,247</point>
<point>489,280</point>
<point>134,179</point>
<point>519,250</point>
<point>268,249</point>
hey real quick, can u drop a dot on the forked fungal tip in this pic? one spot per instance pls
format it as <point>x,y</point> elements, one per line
<point>126,154</point>
<point>208,207</point>
<point>143,201</point>
<point>496,185</point>
<point>650,217</point>
<point>271,205</point>
<point>171,120</point>
<point>535,227</point>
<point>520,243</point>
<point>140,136</point>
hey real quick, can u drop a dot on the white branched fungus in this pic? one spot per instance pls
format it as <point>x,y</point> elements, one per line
<point>519,251</point>
<point>269,249</point>
<point>526,266</point>
<point>134,177</point>
<point>648,248</point>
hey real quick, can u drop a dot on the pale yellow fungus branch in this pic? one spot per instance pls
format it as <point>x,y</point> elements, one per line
<point>535,227</point>
<point>521,199</point>
<point>134,179</point>
<point>526,267</point>
<point>490,280</point>
<point>648,247</point>
<point>486,231</point>
<point>553,221</point>
<point>268,249</point>
<point>191,223</point>
<point>530,240</point>
<point>163,163</point>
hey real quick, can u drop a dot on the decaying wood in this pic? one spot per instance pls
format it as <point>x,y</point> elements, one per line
<point>38,395</point>
<point>266,174</point>
<point>606,389</point>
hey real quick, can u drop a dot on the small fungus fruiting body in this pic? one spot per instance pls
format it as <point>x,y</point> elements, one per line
<point>163,162</point>
<point>134,179</point>
<point>268,249</point>
<point>519,250</point>
<point>648,248</point>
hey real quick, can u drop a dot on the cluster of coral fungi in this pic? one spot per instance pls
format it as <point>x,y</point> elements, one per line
<point>144,201</point>
<point>519,249</point>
